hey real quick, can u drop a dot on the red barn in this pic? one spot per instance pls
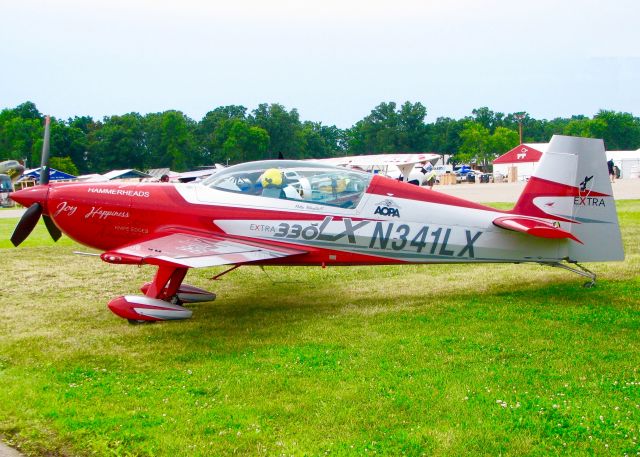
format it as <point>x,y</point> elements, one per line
<point>524,157</point>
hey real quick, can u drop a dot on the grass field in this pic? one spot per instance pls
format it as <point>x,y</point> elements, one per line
<point>412,360</point>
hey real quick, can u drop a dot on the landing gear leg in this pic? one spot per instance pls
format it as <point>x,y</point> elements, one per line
<point>580,270</point>
<point>166,283</point>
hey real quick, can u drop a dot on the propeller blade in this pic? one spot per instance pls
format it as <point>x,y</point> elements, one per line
<point>26,224</point>
<point>44,162</point>
<point>53,229</point>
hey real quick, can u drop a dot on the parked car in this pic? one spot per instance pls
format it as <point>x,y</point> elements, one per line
<point>461,172</point>
<point>498,177</point>
<point>484,177</point>
<point>6,187</point>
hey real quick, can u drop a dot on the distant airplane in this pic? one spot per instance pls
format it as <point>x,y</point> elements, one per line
<point>11,168</point>
<point>284,212</point>
<point>392,165</point>
<point>10,172</point>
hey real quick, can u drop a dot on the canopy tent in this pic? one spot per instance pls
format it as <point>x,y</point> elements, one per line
<point>119,175</point>
<point>628,162</point>
<point>54,175</point>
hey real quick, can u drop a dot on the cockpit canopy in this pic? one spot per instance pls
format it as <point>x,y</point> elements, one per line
<point>294,180</point>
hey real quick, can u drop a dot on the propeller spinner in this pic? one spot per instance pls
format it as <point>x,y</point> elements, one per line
<point>35,199</point>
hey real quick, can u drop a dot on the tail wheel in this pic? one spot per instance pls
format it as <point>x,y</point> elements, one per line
<point>139,322</point>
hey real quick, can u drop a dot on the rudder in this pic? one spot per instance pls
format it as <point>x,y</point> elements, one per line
<point>571,188</point>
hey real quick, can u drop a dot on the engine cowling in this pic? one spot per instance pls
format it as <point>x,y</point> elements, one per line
<point>141,308</point>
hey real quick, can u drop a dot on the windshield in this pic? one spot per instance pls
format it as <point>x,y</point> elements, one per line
<point>294,180</point>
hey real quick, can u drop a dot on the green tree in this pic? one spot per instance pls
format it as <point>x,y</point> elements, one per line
<point>69,142</point>
<point>387,129</point>
<point>243,142</point>
<point>585,127</point>
<point>481,147</point>
<point>84,123</point>
<point>502,140</point>
<point>487,118</point>
<point>414,131</point>
<point>444,135</point>
<point>379,131</point>
<point>476,143</point>
<point>555,126</point>
<point>335,138</point>
<point>622,131</point>
<point>20,138</point>
<point>282,126</point>
<point>169,140</point>
<point>319,141</point>
<point>229,132</point>
<point>213,130</point>
<point>28,110</point>
<point>118,143</point>
<point>211,123</point>
<point>64,164</point>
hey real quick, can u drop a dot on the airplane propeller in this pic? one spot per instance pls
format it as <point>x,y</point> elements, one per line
<point>52,228</point>
<point>30,218</point>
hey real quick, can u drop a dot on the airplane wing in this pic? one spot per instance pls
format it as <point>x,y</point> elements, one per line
<point>386,163</point>
<point>381,160</point>
<point>533,227</point>
<point>194,250</point>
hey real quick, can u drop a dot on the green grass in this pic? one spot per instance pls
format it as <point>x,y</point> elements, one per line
<point>415,360</point>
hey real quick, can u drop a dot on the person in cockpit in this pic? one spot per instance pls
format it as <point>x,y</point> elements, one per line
<point>275,185</point>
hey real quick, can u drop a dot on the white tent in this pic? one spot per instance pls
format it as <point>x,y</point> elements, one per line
<point>627,161</point>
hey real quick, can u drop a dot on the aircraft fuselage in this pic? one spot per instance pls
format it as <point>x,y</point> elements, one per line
<point>386,227</point>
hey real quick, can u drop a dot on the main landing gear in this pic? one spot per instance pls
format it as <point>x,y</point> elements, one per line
<point>162,298</point>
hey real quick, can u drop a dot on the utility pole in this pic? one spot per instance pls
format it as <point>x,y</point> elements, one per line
<point>519,117</point>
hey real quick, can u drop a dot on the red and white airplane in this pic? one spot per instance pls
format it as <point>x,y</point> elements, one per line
<point>303,213</point>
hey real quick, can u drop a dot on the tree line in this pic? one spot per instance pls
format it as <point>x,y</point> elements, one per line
<point>233,134</point>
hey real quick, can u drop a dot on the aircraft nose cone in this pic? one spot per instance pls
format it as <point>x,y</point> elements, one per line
<point>30,195</point>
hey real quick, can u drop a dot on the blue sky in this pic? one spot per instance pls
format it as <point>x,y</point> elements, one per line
<point>333,60</point>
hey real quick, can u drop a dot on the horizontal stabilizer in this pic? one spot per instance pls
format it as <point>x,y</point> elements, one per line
<point>533,227</point>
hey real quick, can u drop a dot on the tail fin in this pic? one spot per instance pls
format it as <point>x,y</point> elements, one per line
<point>571,187</point>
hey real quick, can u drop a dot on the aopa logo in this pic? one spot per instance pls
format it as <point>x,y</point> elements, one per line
<point>388,208</point>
